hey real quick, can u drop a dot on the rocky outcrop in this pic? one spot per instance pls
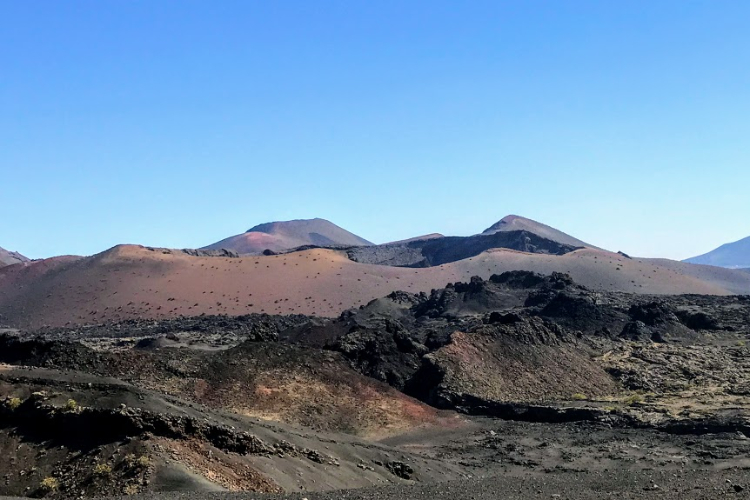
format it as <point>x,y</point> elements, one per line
<point>656,321</point>
<point>221,252</point>
<point>389,353</point>
<point>518,336</point>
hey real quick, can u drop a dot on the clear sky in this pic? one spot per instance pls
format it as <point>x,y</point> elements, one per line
<point>179,123</point>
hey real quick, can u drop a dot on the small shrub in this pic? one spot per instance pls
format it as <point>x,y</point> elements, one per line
<point>49,484</point>
<point>131,489</point>
<point>71,405</point>
<point>133,462</point>
<point>102,470</point>
<point>633,399</point>
<point>13,403</point>
<point>579,397</point>
<point>741,343</point>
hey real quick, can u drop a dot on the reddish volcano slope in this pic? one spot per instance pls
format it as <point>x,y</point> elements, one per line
<point>280,236</point>
<point>8,258</point>
<point>131,281</point>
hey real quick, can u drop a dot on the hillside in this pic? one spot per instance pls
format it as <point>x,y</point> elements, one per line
<point>7,257</point>
<point>286,235</point>
<point>136,282</point>
<point>731,255</point>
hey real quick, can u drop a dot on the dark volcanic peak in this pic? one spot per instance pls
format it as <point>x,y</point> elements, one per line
<point>517,223</point>
<point>732,255</point>
<point>286,235</point>
<point>438,251</point>
<point>7,257</point>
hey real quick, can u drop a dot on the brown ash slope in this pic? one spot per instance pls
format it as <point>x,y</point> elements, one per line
<point>251,376</point>
<point>99,435</point>
<point>286,235</point>
<point>175,404</point>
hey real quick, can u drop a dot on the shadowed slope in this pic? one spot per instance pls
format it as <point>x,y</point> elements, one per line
<point>280,236</point>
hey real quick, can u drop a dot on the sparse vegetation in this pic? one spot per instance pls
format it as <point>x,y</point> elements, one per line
<point>102,470</point>
<point>134,462</point>
<point>579,397</point>
<point>13,403</point>
<point>131,489</point>
<point>633,399</point>
<point>49,484</point>
<point>71,405</point>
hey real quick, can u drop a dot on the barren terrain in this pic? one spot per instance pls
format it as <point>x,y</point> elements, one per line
<point>131,281</point>
<point>524,383</point>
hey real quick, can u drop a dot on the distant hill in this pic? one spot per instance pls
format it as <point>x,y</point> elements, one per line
<point>285,235</point>
<point>732,255</point>
<point>130,281</point>
<point>517,223</point>
<point>7,257</point>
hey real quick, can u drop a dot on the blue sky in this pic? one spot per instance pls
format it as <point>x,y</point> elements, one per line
<point>178,123</point>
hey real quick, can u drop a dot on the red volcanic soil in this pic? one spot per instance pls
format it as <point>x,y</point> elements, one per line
<point>131,281</point>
